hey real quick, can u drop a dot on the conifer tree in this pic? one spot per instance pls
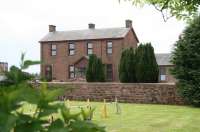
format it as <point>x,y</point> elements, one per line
<point>127,66</point>
<point>146,66</point>
<point>95,70</point>
<point>186,60</point>
<point>123,74</point>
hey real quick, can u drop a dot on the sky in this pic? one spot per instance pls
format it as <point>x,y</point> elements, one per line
<point>24,22</point>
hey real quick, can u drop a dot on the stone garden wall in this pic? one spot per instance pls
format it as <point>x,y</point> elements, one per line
<point>160,93</point>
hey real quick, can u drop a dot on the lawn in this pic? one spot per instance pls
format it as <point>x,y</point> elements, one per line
<point>146,117</point>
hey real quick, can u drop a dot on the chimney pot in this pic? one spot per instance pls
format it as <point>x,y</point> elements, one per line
<point>52,28</point>
<point>91,26</point>
<point>128,23</point>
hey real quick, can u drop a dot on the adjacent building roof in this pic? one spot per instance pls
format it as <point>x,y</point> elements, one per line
<point>87,34</point>
<point>163,59</point>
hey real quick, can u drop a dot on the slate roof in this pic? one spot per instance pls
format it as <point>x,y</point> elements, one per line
<point>87,34</point>
<point>163,59</point>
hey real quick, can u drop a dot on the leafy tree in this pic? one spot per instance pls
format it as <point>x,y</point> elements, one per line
<point>95,70</point>
<point>186,58</point>
<point>17,75</point>
<point>181,9</point>
<point>146,66</point>
<point>127,66</point>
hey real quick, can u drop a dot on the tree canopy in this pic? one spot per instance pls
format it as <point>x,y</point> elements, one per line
<point>186,58</point>
<point>181,9</point>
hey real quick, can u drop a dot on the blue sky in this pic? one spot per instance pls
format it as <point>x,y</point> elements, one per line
<point>24,22</point>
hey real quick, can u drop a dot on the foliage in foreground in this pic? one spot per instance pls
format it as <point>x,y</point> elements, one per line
<point>186,58</point>
<point>95,70</point>
<point>14,119</point>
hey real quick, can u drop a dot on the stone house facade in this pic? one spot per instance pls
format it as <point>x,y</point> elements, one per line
<point>65,54</point>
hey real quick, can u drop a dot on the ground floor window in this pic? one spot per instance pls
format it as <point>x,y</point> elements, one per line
<point>109,72</point>
<point>71,71</point>
<point>162,73</point>
<point>80,72</point>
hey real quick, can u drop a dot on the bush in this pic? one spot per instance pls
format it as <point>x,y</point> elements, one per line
<point>16,75</point>
<point>147,70</point>
<point>95,70</point>
<point>186,58</point>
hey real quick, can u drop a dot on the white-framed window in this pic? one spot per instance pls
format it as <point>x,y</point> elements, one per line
<point>71,71</point>
<point>162,73</point>
<point>53,50</point>
<point>89,48</point>
<point>109,47</point>
<point>71,48</point>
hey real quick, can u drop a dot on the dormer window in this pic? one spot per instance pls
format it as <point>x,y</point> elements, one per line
<point>71,48</point>
<point>53,50</point>
<point>89,48</point>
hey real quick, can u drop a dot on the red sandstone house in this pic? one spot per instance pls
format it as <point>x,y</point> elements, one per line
<point>65,53</point>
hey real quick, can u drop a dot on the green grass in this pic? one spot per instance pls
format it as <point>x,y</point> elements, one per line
<point>147,118</point>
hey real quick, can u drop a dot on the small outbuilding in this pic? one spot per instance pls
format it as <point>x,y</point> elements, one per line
<point>165,65</point>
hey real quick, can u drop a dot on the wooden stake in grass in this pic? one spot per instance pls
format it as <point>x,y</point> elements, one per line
<point>104,110</point>
<point>88,103</point>
<point>118,109</point>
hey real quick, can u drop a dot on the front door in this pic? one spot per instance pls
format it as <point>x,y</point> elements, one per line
<point>48,72</point>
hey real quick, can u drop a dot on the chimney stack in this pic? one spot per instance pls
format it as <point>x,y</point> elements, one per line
<point>91,26</point>
<point>52,28</point>
<point>128,24</point>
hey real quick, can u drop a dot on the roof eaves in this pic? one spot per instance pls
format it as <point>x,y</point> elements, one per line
<point>41,41</point>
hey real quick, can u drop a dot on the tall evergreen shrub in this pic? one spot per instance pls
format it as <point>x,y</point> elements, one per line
<point>147,70</point>
<point>95,70</point>
<point>127,66</point>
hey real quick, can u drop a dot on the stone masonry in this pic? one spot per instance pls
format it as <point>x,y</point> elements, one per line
<point>159,93</point>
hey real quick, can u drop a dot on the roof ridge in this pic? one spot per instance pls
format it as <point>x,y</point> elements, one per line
<point>94,29</point>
